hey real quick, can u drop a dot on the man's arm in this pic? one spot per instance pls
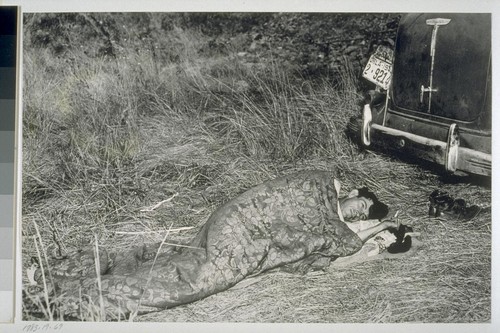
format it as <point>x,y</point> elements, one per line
<point>366,234</point>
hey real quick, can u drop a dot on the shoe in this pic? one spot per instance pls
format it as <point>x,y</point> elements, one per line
<point>443,205</point>
<point>439,201</point>
<point>464,213</point>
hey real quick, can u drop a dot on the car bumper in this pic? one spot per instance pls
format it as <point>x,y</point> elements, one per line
<point>449,154</point>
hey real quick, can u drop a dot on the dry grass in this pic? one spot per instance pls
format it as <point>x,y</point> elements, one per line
<point>125,152</point>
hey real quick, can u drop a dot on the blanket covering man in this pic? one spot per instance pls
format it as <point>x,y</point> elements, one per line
<point>287,221</point>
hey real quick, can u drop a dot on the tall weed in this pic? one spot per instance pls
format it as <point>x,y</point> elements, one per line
<point>280,117</point>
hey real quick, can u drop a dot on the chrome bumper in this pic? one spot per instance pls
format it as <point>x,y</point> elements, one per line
<point>448,154</point>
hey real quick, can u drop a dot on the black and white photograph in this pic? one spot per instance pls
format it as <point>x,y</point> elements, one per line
<point>257,167</point>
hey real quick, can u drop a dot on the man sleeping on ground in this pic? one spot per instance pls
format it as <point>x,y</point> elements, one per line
<point>298,222</point>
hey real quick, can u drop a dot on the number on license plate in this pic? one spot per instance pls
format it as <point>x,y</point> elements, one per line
<point>378,71</point>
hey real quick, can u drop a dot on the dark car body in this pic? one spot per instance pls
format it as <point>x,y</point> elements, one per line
<point>438,105</point>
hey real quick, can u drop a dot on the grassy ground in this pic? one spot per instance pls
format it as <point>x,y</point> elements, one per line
<point>106,139</point>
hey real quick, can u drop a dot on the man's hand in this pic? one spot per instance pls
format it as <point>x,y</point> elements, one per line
<point>366,234</point>
<point>391,223</point>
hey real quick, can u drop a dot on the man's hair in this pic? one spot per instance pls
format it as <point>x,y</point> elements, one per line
<point>378,210</point>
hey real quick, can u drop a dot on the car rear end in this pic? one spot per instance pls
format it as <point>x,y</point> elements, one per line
<point>434,101</point>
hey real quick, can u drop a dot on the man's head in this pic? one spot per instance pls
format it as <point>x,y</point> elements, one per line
<point>361,204</point>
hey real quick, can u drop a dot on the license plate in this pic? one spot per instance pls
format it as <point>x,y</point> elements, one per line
<point>379,68</point>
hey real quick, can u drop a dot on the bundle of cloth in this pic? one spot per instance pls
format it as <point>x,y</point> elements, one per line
<point>296,222</point>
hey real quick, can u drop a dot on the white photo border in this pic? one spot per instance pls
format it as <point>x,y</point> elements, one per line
<point>487,6</point>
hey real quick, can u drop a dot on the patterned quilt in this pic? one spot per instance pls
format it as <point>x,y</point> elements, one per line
<point>291,221</point>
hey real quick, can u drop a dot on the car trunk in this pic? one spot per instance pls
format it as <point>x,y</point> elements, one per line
<point>441,76</point>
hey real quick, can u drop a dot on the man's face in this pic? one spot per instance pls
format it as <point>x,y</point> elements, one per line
<point>355,208</point>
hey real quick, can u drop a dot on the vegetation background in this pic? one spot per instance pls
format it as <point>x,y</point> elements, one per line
<point>139,125</point>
